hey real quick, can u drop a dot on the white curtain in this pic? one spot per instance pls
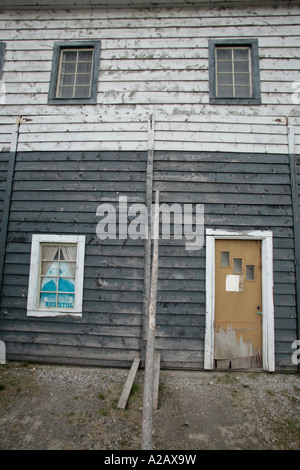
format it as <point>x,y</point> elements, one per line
<point>48,253</point>
<point>69,254</point>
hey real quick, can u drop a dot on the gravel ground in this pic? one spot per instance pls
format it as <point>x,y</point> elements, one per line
<point>44,407</point>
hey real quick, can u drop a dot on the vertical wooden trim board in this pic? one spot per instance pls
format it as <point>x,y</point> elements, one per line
<point>266,238</point>
<point>7,196</point>
<point>296,217</point>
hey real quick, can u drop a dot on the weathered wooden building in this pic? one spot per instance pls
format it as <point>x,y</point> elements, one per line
<point>104,102</point>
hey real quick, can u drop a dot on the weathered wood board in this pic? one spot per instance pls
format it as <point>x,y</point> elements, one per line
<point>128,384</point>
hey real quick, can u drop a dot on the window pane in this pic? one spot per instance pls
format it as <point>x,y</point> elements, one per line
<point>249,273</point>
<point>65,92</point>
<point>68,67</point>
<point>237,265</point>
<point>84,56</point>
<point>69,56</point>
<point>241,54</point>
<point>67,80</point>
<point>242,92</point>
<point>225,259</point>
<point>66,285</point>
<point>224,54</point>
<point>225,67</point>
<point>225,91</point>
<point>224,78</point>
<point>68,252</point>
<point>82,92</point>
<point>47,300</point>
<point>84,67</point>
<point>67,269</point>
<point>49,252</point>
<point>83,79</point>
<point>242,79</point>
<point>49,268</point>
<point>49,284</point>
<point>65,301</point>
<point>241,67</point>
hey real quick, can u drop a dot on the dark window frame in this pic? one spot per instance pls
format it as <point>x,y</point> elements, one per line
<point>2,54</point>
<point>52,98</point>
<point>252,43</point>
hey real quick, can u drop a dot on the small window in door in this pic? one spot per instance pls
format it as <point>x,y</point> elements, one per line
<point>237,265</point>
<point>250,273</point>
<point>225,259</point>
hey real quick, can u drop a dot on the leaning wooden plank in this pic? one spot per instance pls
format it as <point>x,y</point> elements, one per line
<point>129,382</point>
<point>156,380</point>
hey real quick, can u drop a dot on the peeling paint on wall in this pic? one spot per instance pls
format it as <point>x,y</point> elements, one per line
<point>232,345</point>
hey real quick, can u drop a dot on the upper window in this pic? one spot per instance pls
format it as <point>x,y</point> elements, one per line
<point>74,76</point>
<point>234,71</point>
<point>56,275</point>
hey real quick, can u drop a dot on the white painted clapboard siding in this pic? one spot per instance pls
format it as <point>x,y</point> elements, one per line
<point>150,60</point>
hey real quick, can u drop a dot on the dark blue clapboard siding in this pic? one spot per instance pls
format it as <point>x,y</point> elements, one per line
<point>59,193</point>
<point>240,192</point>
<point>181,305</point>
<point>4,157</point>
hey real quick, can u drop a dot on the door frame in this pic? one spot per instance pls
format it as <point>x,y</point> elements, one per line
<point>268,337</point>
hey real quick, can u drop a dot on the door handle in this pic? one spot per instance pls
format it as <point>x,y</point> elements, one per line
<point>258,312</point>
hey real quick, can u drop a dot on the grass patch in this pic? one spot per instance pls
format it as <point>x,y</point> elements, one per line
<point>78,418</point>
<point>227,379</point>
<point>253,375</point>
<point>103,412</point>
<point>134,389</point>
<point>293,428</point>
<point>15,378</point>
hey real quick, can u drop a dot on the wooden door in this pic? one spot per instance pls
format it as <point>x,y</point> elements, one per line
<point>238,301</point>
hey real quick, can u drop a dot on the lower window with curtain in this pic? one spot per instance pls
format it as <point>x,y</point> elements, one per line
<point>56,275</point>
<point>57,279</point>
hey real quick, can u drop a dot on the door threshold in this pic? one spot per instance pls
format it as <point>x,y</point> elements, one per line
<point>231,365</point>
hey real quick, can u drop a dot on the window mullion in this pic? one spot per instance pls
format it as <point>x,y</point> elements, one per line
<point>59,74</point>
<point>250,71</point>
<point>75,75</point>
<point>216,72</point>
<point>57,276</point>
<point>91,76</point>
<point>40,274</point>
<point>233,72</point>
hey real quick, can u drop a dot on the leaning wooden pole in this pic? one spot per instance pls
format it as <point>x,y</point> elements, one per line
<point>150,346</point>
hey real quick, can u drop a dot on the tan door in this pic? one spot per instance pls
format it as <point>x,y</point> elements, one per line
<point>238,299</point>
